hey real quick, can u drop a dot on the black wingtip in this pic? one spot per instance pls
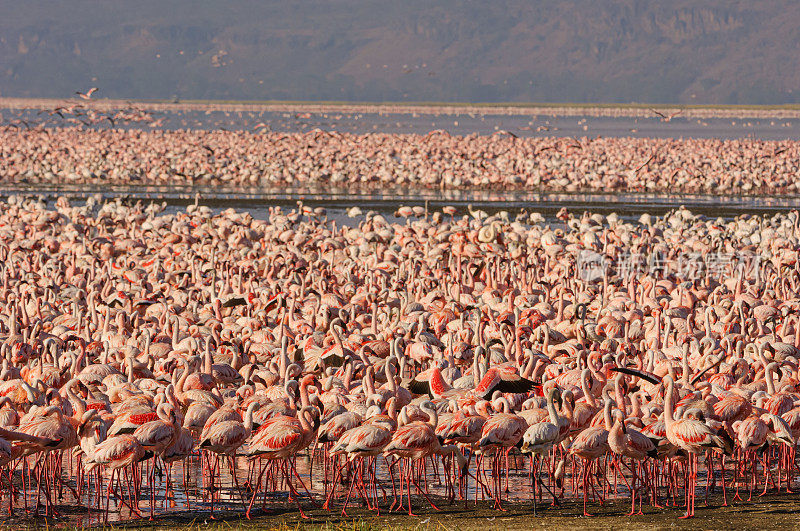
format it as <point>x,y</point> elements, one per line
<point>729,443</point>
<point>522,385</point>
<point>418,387</point>
<point>641,374</point>
<point>704,371</point>
<point>235,301</point>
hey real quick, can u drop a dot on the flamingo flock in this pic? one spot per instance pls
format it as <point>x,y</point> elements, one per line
<point>86,154</point>
<point>428,359</point>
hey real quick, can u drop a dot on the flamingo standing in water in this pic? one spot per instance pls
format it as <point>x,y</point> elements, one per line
<point>179,450</point>
<point>224,438</point>
<point>500,433</point>
<point>279,439</point>
<point>590,444</point>
<point>155,437</point>
<point>751,434</point>
<point>415,441</point>
<point>690,435</point>
<point>631,443</point>
<point>540,438</point>
<point>48,423</point>
<point>21,444</point>
<point>365,441</point>
<point>116,453</point>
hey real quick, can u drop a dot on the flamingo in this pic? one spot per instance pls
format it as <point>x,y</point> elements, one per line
<point>155,437</point>
<point>540,438</point>
<point>280,438</point>
<point>691,436</point>
<point>88,94</point>
<point>415,441</point>
<point>365,441</point>
<point>590,444</point>
<point>631,443</point>
<point>115,453</point>
<point>224,438</point>
<point>48,423</point>
<point>500,433</point>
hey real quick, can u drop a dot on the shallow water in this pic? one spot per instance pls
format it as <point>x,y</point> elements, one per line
<point>188,497</point>
<point>256,201</point>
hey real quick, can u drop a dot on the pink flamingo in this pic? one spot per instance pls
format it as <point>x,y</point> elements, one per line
<point>692,436</point>
<point>155,437</point>
<point>49,423</point>
<point>367,440</point>
<point>280,438</point>
<point>590,444</point>
<point>116,453</point>
<point>540,438</point>
<point>416,441</point>
<point>500,433</point>
<point>224,438</point>
<point>631,443</point>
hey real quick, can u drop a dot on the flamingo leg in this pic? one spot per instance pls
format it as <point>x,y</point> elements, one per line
<point>255,491</point>
<point>409,476</point>
<point>347,498</point>
<point>292,490</point>
<point>585,486</point>
<point>336,474</point>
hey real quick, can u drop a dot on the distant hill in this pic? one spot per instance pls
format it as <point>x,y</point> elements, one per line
<point>681,51</point>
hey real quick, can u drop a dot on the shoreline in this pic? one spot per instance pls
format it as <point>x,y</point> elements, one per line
<point>433,108</point>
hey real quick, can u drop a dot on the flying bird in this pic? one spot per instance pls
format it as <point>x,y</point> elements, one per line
<point>667,118</point>
<point>88,94</point>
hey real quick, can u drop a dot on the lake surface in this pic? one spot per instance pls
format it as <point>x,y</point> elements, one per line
<point>522,125</point>
<point>337,202</point>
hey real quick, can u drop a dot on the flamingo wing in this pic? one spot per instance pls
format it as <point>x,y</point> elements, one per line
<point>641,443</point>
<point>276,437</point>
<point>505,382</point>
<point>694,436</point>
<point>118,451</point>
<point>369,438</point>
<point>224,436</point>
